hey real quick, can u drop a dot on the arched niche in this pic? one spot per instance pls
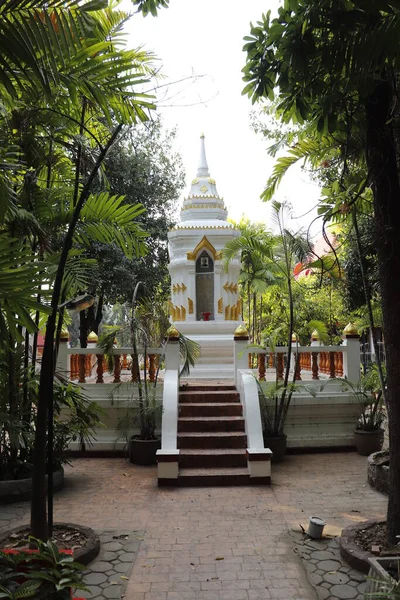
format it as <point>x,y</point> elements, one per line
<point>204,287</point>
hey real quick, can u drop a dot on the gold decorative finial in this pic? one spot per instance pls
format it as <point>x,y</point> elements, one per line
<point>202,136</point>
<point>241,332</point>
<point>64,337</point>
<point>92,338</point>
<point>294,337</point>
<point>350,330</point>
<point>172,333</point>
<point>315,335</point>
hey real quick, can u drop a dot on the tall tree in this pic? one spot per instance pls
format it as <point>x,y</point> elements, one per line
<point>66,60</point>
<point>334,64</point>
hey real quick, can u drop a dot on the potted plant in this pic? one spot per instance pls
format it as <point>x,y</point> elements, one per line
<point>144,408</point>
<point>383,579</point>
<point>369,434</point>
<point>43,572</point>
<point>274,403</point>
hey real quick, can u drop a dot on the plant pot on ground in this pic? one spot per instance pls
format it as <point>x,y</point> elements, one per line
<point>277,444</point>
<point>368,442</point>
<point>368,434</point>
<point>143,452</point>
<point>383,579</point>
<point>274,399</point>
<point>144,408</point>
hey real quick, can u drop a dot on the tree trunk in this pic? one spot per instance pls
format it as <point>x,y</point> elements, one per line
<point>39,526</point>
<point>381,159</point>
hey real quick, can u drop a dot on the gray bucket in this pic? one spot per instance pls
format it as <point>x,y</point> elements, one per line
<point>316,527</point>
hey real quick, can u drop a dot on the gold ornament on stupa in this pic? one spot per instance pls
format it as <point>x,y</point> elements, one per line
<point>92,338</point>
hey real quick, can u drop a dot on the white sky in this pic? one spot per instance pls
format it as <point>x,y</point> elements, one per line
<point>205,37</point>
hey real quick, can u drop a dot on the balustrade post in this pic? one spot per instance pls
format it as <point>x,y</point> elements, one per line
<point>314,368</point>
<point>279,365</point>
<point>117,369</point>
<point>340,364</point>
<point>124,362</point>
<point>152,367</point>
<point>82,368</point>
<point>74,366</point>
<point>261,367</point>
<point>351,358</point>
<point>63,360</point>
<point>134,368</point>
<point>271,360</point>
<point>100,371</point>
<point>332,365</point>
<point>297,366</point>
<point>241,340</point>
<point>172,349</point>
<point>250,360</point>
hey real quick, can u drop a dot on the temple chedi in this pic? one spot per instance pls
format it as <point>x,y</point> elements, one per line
<point>205,305</point>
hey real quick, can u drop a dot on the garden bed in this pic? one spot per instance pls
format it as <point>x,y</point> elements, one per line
<point>83,541</point>
<point>357,541</point>
<point>378,471</point>
<point>18,490</point>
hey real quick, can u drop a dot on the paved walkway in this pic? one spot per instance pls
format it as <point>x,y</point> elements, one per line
<point>215,543</point>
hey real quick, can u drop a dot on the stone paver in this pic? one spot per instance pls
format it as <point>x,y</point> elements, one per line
<point>336,577</point>
<point>108,578</point>
<point>215,543</point>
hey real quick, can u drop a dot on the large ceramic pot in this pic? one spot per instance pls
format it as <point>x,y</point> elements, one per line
<point>143,452</point>
<point>368,442</point>
<point>276,443</point>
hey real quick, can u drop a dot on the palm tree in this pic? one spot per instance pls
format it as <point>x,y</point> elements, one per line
<point>65,80</point>
<point>255,246</point>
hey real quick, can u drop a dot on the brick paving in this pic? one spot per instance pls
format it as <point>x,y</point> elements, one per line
<point>215,543</point>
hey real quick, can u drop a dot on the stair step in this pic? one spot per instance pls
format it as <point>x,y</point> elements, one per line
<point>210,477</point>
<point>211,409</point>
<point>213,458</point>
<point>202,387</point>
<point>205,424</point>
<point>207,396</point>
<point>211,440</point>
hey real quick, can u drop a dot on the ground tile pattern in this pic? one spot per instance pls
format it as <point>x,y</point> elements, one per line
<point>327,571</point>
<point>215,543</point>
<point>107,576</point>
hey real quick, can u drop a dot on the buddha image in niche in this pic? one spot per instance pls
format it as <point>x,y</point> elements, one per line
<point>204,262</point>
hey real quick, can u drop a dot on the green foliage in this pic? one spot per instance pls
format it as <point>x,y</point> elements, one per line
<point>145,169</point>
<point>150,6</point>
<point>144,328</point>
<point>48,573</point>
<point>76,417</point>
<point>368,393</point>
<point>275,399</point>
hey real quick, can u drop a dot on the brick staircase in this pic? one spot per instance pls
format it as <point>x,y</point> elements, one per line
<point>211,436</point>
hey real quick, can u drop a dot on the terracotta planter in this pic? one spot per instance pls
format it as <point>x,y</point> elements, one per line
<point>276,443</point>
<point>368,442</point>
<point>143,452</point>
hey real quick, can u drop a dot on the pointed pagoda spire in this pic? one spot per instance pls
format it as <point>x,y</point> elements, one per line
<point>203,203</point>
<point>202,170</point>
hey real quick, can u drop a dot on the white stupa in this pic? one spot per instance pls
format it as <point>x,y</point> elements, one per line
<point>205,305</point>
